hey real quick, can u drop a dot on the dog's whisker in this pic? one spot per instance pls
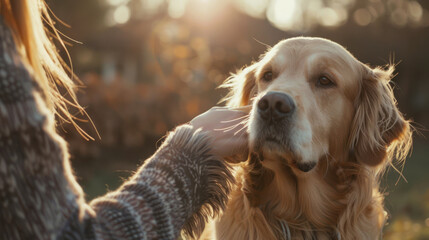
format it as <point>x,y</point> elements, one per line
<point>241,130</point>
<point>235,119</point>
<point>246,120</point>
<point>227,129</point>
<point>230,128</point>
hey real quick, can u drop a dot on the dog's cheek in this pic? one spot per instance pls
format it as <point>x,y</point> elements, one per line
<point>374,157</point>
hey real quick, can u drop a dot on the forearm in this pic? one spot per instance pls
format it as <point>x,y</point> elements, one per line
<point>177,187</point>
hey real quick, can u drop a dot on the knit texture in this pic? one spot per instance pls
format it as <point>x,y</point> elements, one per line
<point>177,188</point>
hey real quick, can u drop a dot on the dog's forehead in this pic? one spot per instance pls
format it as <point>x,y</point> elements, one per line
<point>301,48</point>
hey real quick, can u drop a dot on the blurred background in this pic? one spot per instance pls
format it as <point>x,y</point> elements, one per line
<point>149,65</point>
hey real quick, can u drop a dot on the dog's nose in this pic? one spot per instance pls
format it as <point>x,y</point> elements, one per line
<point>275,105</point>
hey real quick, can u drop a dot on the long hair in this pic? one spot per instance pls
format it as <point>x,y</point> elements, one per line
<point>33,28</point>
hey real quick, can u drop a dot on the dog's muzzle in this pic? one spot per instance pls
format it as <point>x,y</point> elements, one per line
<point>275,106</point>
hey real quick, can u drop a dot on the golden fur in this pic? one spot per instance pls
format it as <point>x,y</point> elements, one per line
<point>350,131</point>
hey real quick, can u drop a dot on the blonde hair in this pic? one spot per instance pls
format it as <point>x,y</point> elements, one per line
<point>33,27</point>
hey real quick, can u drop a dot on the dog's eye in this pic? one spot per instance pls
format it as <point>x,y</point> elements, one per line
<point>324,81</point>
<point>268,76</point>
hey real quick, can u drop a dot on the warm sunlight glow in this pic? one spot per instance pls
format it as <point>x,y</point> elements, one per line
<point>121,14</point>
<point>282,12</point>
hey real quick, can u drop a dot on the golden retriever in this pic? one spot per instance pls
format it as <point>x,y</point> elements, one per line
<point>322,130</point>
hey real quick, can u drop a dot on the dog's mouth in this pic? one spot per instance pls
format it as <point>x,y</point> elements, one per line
<point>271,143</point>
<point>283,151</point>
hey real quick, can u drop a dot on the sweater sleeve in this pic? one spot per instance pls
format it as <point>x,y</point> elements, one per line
<point>177,188</point>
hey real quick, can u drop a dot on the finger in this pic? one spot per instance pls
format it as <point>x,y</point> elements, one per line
<point>231,146</point>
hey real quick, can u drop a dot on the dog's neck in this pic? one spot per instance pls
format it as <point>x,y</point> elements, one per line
<point>310,202</point>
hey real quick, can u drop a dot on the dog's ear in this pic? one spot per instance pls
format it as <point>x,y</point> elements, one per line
<point>378,130</point>
<point>242,87</point>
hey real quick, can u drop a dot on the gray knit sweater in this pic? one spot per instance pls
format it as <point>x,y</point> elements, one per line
<point>176,188</point>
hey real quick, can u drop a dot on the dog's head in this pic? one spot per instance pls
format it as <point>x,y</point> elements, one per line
<point>312,100</point>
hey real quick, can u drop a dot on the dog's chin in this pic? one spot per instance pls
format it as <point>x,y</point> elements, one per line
<point>270,148</point>
<point>274,154</point>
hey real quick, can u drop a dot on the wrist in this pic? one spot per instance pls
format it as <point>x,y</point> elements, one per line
<point>204,179</point>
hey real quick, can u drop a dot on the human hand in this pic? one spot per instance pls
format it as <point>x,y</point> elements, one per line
<point>228,130</point>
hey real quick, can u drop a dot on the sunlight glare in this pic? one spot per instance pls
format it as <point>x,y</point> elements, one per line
<point>282,13</point>
<point>121,14</point>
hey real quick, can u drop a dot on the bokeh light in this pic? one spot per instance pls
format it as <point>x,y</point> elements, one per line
<point>330,17</point>
<point>176,8</point>
<point>283,13</point>
<point>297,15</point>
<point>415,11</point>
<point>362,17</point>
<point>121,14</point>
